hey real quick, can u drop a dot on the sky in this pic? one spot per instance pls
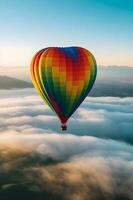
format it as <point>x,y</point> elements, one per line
<point>102,26</point>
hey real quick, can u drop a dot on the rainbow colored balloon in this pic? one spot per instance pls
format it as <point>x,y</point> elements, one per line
<point>63,77</point>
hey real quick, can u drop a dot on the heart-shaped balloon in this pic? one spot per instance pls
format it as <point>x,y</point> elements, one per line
<point>63,77</point>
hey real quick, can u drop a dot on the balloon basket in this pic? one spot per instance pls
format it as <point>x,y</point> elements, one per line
<point>63,127</point>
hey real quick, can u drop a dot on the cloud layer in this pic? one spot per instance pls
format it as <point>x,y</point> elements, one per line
<point>93,161</point>
<point>104,117</point>
<point>65,167</point>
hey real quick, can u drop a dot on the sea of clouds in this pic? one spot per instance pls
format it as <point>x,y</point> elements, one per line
<point>93,160</point>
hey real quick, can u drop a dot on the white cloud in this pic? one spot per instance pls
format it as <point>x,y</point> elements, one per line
<point>35,154</point>
<point>81,167</point>
<point>105,117</point>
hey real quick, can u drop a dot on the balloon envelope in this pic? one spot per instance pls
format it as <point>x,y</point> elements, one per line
<point>63,77</point>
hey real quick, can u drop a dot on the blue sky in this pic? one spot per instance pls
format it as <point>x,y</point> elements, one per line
<point>103,26</point>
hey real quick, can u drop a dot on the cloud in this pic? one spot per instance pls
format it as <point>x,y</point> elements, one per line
<point>92,161</point>
<point>65,167</point>
<point>103,117</point>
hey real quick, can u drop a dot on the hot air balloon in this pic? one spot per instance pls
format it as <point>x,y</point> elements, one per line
<point>63,77</point>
